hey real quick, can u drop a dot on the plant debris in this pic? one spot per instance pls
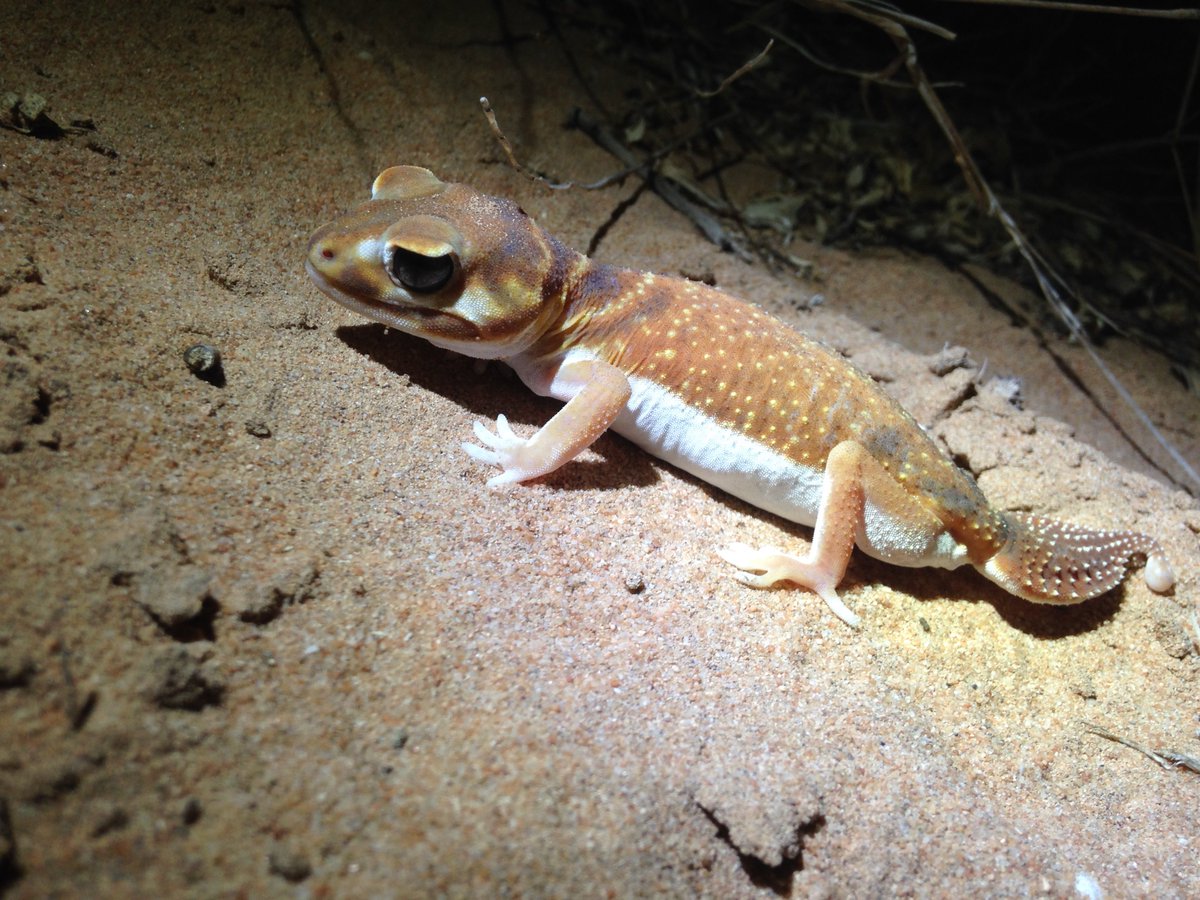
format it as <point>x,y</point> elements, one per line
<point>1168,759</point>
<point>859,163</point>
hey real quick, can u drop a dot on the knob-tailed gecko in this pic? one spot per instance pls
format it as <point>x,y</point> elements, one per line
<point>705,381</point>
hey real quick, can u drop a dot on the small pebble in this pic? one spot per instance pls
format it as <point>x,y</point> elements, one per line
<point>1084,687</point>
<point>1008,388</point>
<point>190,814</point>
<point>177,680</point>
<point>1173,637</point>
<point>258,429</point>
<point>289,862</point>
<point>174,595</point>
<point>634,583</point>
<point>30,113</point>
<point>16,666</point>
<point>204,361</point>
<point>948,359</point>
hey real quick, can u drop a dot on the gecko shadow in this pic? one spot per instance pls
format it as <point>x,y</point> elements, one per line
<point>487,394</point>
<point>1044,621</point>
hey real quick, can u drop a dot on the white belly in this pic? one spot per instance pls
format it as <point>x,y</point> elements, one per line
<point>684,436</point>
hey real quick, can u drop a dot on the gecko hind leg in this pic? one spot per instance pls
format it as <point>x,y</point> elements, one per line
<point>774,565</point>
<point>843,498</point>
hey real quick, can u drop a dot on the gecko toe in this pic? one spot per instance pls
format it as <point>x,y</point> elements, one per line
<point>480,454</point>
<point>486,436</point>
<point>504,430</point>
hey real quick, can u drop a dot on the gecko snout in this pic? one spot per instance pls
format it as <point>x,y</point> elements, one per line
<point>321,251</point>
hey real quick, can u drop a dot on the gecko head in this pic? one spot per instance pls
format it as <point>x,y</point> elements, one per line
<point>443,262</point>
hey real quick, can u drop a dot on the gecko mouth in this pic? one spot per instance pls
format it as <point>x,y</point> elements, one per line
<point>414,319</point>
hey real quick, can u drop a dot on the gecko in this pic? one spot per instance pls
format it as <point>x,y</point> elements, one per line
<point>707,382</point>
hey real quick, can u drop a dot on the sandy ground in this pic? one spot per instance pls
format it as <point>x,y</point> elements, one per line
<point>274,637</point>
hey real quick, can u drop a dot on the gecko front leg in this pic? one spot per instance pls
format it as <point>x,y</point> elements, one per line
<point>596,392</point>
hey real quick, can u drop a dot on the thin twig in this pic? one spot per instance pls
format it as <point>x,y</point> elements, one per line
<point>512,157</point>
<point>1189,203</point>
<point>742,70</point>
<point>1089,8</point>
<point>632,168</point>
<point>990,204</point>
<point>1168,759</point>
<point>671,190</point>
<point>883,76</point>
<point>502,139</point>
<point>871,8</point>
<point>667,188</point>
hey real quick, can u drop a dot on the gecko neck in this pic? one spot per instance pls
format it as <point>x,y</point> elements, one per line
<point>575,288</point>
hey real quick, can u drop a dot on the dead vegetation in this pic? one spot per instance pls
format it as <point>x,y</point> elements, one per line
<point>1027,163</point>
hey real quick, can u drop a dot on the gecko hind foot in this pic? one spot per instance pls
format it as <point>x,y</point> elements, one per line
<point>765,566</point>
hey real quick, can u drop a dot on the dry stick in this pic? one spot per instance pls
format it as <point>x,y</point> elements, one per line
<point>1180,261</point>
<point>746,67</point>
<point>632,168</point>
<point>502,140</point>
<point>1189,204</point>
<point>1042,270</point>
<point>1168,759</point>
<point>872,7</point>
<point>882,77</point>
<point>512,158</point>
<point>665,187</point>
<point>1090,7</point>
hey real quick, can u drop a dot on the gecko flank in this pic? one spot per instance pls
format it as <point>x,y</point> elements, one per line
<point>702,380</point>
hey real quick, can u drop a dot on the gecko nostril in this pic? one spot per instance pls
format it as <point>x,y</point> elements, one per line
<point>327,253</point>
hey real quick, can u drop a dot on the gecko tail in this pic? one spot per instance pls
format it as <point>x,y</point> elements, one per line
<point>1048,561</point>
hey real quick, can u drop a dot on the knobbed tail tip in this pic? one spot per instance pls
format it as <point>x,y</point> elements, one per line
<point>1047,561</point>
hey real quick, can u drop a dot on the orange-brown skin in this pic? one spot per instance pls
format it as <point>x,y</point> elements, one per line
<point>793,395</point>
<point>702,379</point>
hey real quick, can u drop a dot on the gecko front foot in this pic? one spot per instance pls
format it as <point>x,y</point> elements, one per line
<point>504,448</point>
<point>764,566</point>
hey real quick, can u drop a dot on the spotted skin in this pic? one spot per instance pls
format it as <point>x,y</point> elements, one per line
<point>703,380</point>
<point>793,395</point>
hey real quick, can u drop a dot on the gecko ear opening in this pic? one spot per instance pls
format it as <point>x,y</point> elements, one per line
<point>406,183</point>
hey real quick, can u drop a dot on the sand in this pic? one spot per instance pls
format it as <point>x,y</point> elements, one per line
<point>270,635</point>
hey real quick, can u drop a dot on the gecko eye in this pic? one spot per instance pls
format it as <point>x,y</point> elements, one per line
<point>419,273</point>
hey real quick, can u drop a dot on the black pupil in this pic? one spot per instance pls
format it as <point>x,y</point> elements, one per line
<point>421,273</point>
